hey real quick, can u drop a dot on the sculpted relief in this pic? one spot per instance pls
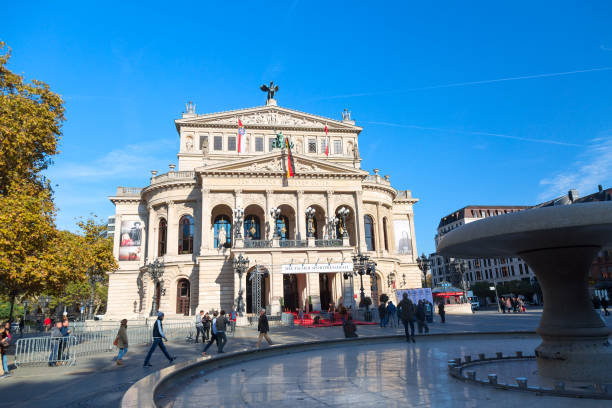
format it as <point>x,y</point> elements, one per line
<point>269,118</point>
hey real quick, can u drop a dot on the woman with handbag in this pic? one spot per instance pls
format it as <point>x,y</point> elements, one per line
<point>121,341</point>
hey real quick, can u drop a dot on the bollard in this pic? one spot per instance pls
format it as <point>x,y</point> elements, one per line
<point>521,382</point>
<point>499,354</point>
<point>519,354</point>
<point>560,386</point>
<point>467,359</point>
<point>481,356</point>
<point>493,379</point>
<point>471,374</point>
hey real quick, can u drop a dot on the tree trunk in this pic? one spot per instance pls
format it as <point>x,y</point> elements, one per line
<point>12,307</point>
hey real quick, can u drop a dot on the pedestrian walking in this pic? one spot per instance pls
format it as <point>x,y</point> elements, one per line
<point>158,340</point>
<point>206,322</point>
<point>392,314</point>
<point>213,333</point>
<point>508,304</point>
<point>47,323</point>
<point>221,327</point>
<point>121,341</point>
<point>420,317</point>
<point>263,328</point>
<point>199,325</point>
<point>382,314</point>
<point>502,304</point>
<point>5,343</point>
<point>56,337</point>
<point>63,347</point>
<point>604,305</point>
<point>441,311</point>
<point>349,327</point>
<point>405,311</point>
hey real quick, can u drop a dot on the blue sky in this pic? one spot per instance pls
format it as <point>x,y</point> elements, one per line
<point>461,102</point>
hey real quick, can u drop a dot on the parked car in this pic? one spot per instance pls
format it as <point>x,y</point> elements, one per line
<point>475,303</point>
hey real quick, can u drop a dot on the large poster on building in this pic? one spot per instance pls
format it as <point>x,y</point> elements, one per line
<point>403,237</point>
<point>130,242</point>
<point>415,294</point>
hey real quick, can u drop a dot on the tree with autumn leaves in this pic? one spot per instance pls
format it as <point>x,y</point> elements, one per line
<point>34,256</point>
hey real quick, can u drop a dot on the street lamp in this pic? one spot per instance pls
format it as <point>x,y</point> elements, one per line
<point>240,265</point>
<point>310,212</point>
<point>156,271</point>
<point>494,287</point>
<point>238,215</point>
<point>275,213</point>
<point>362,265</point>
<point>25,304</point>
<point>423,262</point>
<point>343,212</point>
<point>93,279</point>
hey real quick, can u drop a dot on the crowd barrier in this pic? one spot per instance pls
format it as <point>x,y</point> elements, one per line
<point>68,350</point>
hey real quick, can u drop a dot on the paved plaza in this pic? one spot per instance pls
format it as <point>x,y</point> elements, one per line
<point>98,382</point>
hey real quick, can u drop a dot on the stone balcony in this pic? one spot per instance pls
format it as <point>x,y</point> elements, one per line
<point>173,176</point>
<point>128,191</point>
<point>291,244</point>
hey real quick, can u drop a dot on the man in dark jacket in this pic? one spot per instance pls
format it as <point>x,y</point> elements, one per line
<point>220,326</point>
<point>406,314</point>
<point>263,328</point>
<point>442,312</point>
<point>420,317</point>
<point>158,337</point>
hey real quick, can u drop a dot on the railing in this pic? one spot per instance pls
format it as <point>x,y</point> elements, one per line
<point>293,243</point>
<point>374,178</point>
<point>328,242</point>
<point>67,350</point>
<point>257,243</point>
<point>173,175</point>
<point>129,191</point>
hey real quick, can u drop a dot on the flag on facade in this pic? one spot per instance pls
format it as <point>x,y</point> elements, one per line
<point>290,165</point>
<point>326,141</point>
<point>241,132</point>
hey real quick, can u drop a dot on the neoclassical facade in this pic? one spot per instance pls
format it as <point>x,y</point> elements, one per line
<point>231,196</point>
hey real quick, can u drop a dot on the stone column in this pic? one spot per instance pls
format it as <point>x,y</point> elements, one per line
<point>359,224</point>
<point>205,221</point>
<point>380,247</point>
<point>314,291</point>
<point>301,217</point>
<point>329,196</point>
<point>412,239</point>
<point>173,233</point>
<point>150,234</point>
<point>268,221</point>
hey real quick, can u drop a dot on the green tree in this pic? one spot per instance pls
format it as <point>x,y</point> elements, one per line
<point>31,118</point>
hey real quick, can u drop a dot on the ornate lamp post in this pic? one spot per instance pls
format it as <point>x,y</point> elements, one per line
<point>240,265</point>
<point>310,212</point>
<point>343,212</point>
<point>238,215</point>
<point>156,271</point>
<point>423,262</point>
<point>363,266</point>
<point>275,213</point>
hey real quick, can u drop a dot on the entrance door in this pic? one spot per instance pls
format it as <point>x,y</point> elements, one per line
<point>182,297</point>
<point>325,290</point>
<point>290,292</point>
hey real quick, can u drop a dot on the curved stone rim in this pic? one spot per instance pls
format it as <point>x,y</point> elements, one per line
<point>456,369</point>
<point>142,393</point>
<point>536,228</point>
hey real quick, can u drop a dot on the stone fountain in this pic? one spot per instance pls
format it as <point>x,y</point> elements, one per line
<point>559,243</point>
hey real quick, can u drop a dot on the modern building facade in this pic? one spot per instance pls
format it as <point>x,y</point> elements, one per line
<point>485,269</point>
<point>233,195</point>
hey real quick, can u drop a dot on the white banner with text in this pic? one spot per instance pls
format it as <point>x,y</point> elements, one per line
<point>317,268</point>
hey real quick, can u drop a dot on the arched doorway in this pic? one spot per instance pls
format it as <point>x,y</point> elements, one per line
<point>290,292</point>
<point>182,297</point>
<point>325,290</point>
<point>264,289</point>
<point>376,288</point>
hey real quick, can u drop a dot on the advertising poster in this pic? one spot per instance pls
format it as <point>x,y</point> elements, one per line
<point>415,294</point>
<point>403,238</point>
<point>131,237</point>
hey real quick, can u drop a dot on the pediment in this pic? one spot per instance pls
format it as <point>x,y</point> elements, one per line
<point>267,117</point>
<point>275,163</point>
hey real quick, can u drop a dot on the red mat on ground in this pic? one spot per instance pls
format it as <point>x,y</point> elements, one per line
<point>308,320</point>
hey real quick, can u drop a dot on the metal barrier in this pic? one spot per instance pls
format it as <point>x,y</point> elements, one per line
<point>40,350</point>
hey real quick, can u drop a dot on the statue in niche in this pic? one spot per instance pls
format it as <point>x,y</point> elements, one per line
<point>222,237</point>
<point>189,144</point>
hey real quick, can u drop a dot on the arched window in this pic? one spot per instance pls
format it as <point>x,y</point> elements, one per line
<point>369,232</point>
<point>385,234</point>
<point>223,231</point>
<point>282,226</point>
<point>252,228</point>
<point>161,237</point>
<point>182,297</point>
<point>185,235</point>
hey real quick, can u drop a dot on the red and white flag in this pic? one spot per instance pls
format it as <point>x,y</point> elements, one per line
<point>326,141</point>
<point>241,132</point>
